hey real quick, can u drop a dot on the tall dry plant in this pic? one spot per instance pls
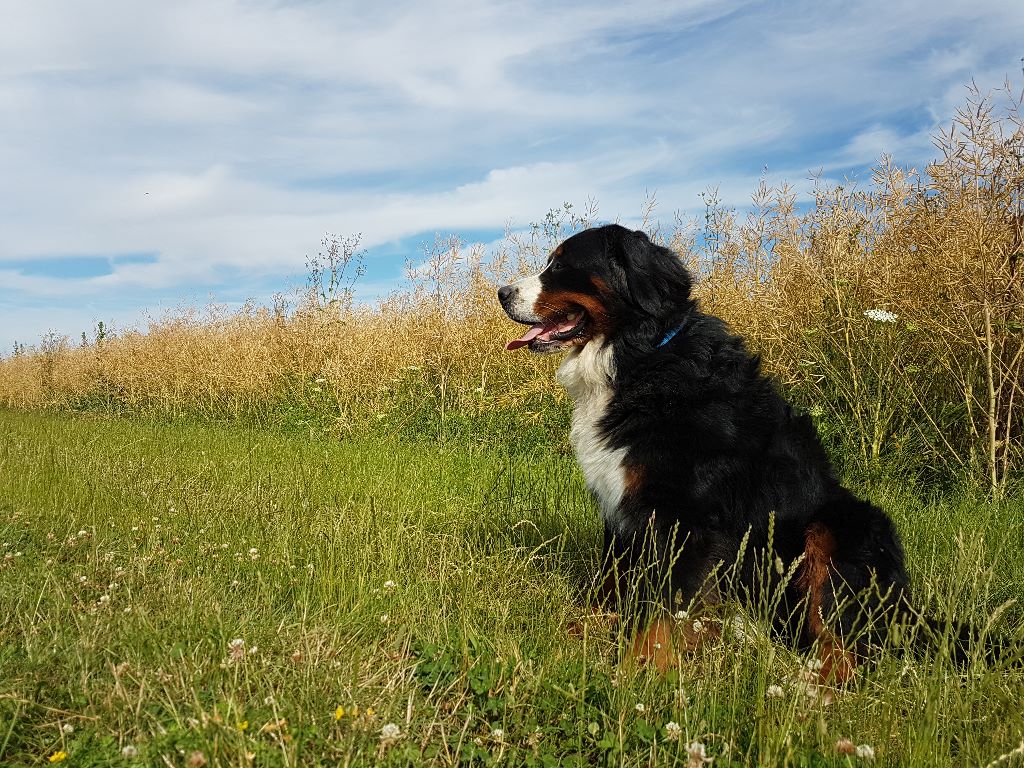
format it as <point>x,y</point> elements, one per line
<point>896,312</point>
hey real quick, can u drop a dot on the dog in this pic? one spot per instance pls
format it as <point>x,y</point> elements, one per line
<point>698,464</point>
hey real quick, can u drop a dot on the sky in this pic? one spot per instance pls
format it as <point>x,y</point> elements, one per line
<point>163,154</point>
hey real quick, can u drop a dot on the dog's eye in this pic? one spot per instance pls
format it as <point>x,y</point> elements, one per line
<point>556,265</point>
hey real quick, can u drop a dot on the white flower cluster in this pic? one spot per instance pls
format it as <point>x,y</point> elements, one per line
<point>881,315</point>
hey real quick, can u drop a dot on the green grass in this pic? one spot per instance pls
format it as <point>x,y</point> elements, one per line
<point>135,552</point>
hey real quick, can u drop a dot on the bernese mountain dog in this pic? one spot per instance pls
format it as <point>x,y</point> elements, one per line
<point>710,486</point>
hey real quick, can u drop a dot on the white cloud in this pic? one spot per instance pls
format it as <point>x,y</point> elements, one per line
<point>226,135</point>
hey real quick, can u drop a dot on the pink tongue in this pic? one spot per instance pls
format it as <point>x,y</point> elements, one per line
<point>541,330</point>
<point>527,337</point>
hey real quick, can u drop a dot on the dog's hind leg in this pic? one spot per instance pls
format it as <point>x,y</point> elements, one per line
<point>852,580</point>
<point>815,582</point>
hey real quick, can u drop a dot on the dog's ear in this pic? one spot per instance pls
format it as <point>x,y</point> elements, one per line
<point>653,277</point>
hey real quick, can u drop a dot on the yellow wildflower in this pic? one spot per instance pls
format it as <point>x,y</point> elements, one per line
<point>243,725</point>
<point>58,756</point>
<point>339,713</point>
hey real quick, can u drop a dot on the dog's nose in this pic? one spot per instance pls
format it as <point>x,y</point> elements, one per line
<point>505,293</point>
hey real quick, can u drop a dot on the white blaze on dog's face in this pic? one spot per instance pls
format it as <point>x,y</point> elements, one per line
<point>524,297</point>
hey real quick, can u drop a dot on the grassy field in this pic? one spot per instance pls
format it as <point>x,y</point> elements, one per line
<point>189,595</point>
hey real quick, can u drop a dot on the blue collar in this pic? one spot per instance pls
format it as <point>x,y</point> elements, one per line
<point>670,334</point>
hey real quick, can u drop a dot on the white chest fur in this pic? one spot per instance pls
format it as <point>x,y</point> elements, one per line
<point>587,377</point>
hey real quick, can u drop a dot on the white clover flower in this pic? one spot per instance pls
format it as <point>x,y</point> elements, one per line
<point>698,755</point>
<point>865,752</point>
<point>389,584</point>
<point>129,750</point>
<point>236,649</point>
<point>673,731</point>
<point>498,734</point>
<point>67,728</point>
<point>640,707</point>
<point>881,315</point>
<point>390,732</point>
<point>775,692</point>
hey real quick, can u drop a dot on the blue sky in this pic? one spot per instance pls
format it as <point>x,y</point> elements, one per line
<point>160,154</point>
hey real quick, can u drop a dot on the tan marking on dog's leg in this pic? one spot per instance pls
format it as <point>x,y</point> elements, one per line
<point>634,479</point>
<point>654,646</point>
<point>838,664</point>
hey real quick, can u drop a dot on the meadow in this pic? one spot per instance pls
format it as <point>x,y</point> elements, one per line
<point>185,594</point>
<point>325,533</point>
